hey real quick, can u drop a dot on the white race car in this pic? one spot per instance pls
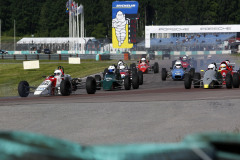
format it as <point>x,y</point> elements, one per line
<point>57,84</point>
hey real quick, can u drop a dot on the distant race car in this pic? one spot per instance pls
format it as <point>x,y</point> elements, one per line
<point>57,84</point>
<point>124,71</point>
<point>145,67</point>
<point>226,69</point>
<point>177,72</point>
<point>166,53</point>
<point>111,81</point>
<point>211,79</point>
<point>187,62</point>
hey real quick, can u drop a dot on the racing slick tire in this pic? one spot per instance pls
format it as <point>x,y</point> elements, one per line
<point>196,80</point>
<point>135,81</point>
<point>164,74</point>
<point>235,80</point>
<point>229,81</point>
<point>127,83</point>
<point>98,82</point>
<point>104,72</point>
<point>187,81</point>
<point>140,76</point>
<point>23,89</point>
<point>65,88</point>
<point>91,85</point>
<point>192,72</point>
<point>133,68</point>
<point>156,68</point>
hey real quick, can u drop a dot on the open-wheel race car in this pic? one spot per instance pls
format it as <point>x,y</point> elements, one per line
<point>227,70</point>
<point>126,71</point>
<point>57,84</point>
<point>187,62</point>
<point>145,67</point>
<point>177,72</point>
<point>212,78</point>
<point>112,80</point>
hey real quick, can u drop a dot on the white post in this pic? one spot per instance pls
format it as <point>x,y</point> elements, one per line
<point>77,31</point>
<point>14,36</point>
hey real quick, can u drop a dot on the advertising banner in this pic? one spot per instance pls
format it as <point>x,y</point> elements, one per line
<point>124,20</point>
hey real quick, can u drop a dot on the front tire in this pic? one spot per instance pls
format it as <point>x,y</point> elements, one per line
<point>127,83</point>
<point>65,87</point>
<point>228,81</point>
<point>187,81</point>
<point>23,89</point>
<point>235,80</point>
<point>98,82</point>
<point>91,85</point>
<point>164,74</point>
<point>155,67</point>
<point>135,81</point>
<point>140,76</point>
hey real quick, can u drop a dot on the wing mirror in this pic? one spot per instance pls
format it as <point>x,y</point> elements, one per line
<point>171,68</point>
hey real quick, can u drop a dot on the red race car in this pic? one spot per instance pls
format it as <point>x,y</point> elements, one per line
<point>145,67</point>
<point>228,74</point>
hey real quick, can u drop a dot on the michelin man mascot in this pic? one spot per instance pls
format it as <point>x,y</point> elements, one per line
<point>119,23</point>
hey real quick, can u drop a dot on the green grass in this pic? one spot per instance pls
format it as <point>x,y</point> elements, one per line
<point>12,73</point>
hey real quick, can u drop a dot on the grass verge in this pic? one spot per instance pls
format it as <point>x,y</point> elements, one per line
<point>12,73</point>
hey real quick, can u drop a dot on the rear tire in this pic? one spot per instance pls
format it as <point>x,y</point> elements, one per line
<point>164,74</point>
<point>91,85</point>
<point>135,81</point>
<point>235,80</point>
<point>65,87</point>
<point>155,67</point>
<point>23,89</point>
<point>196,80</point>
<point>127,83</point>
<point>192,72</point>
<point>228,81</point>
<point>187,81</point>
<point>140,76</point>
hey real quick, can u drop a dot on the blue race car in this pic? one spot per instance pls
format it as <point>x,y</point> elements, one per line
<point>177,72</point>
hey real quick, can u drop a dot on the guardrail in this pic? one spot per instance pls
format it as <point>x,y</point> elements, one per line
<point>58,56</point>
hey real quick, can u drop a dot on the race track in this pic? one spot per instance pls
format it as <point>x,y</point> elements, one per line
<point>156,112</point>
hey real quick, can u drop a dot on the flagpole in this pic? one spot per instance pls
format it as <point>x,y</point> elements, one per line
<point>14,36</point>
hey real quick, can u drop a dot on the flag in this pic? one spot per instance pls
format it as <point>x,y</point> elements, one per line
<point>80,9</point>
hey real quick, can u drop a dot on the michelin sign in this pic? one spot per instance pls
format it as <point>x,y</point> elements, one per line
<point>124,15</point>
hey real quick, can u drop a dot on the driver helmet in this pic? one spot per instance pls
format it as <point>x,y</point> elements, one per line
<point>227,61</point>
<point>211,67</point>
<point>57,73</point>
<point>111,69</point>
<point>120,63</point>
<point>184,58</point>
<point>223,66</point>
<point>209,57</point>
<point>178,64</point>
<point>143,60</point>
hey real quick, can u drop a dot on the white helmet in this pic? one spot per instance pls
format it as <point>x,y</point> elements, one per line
<point>184,58</point>
<point>143,60</point>
<point>57,73</point>
<point>178,64</point>
<point>120,62</point>
<point>211,66</point>
<point>111,69</point>
<point>223,66</point>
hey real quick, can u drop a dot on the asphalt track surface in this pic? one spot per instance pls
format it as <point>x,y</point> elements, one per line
<point>156,112</point>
